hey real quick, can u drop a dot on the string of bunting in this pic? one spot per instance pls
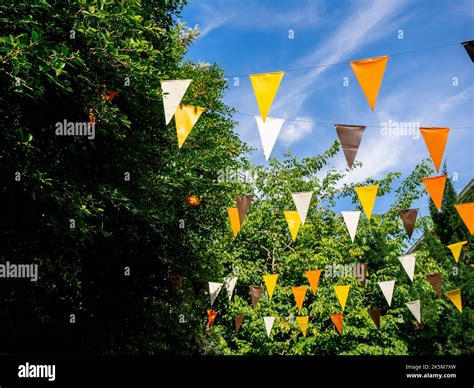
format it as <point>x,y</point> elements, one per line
<point>369,73</point>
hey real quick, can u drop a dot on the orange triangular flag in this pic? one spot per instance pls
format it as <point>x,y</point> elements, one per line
<point>299,294</point>
<point>303,324</point>
<point>234,220</point>
<point>294,223</point>
<point>337,320</point>
<point>369,73</point>
<point>435,187</point>
<point>435,139</point>
<point>455,297</point>
<point>313,278</point>
<point>466,211</point>
<point>456,249</point>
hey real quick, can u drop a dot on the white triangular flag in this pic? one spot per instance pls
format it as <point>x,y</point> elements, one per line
<point>269,131</point>
<point>230,285</point>
<point>408,264</point>
<point>387,289</point>
<point>352,220</point>
<point>414,307</point>
<point>214,289</point>
<point>302,201</point>
<point>173,92</point>
<point>269,321</point>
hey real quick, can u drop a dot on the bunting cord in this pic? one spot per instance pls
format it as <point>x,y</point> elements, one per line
<point>346,63</point>
<point>333,123</point>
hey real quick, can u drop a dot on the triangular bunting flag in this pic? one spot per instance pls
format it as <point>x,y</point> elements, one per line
<point>367,195</point>
<point>214,289</point>
<point>435,187</point>
<point>337,320</point>
<point>270,282</point>
<point>414,308</point>
<point>387,290</point>
<point>351,219</point>
<point>265,87</point>
<point>268,324</point>
<point>233,213</point>
<point>302,201</point>
<point>269,131</point>
<point>173,92</point>
<point>369,73</point>
<point>342,292</point>
<point>303,324</point>
<point>229,284</point>
<point>294,223</point>
<point>456,249</point>
<point>435,140</point>
<point>408,217</point>
<point>435,281</point>
<point>211,316</point>
<point>455,297</point>
<point>375,315</point>
<point>469,46</point>
<point>255,293</point>
<point>313,278</point>
<point>299,294</point>
<point>243,204</point>
<point>238,322</point>
<point>408,264</point>
<point>186,116</point>
<point>466,212</point>
<point>350,137</point>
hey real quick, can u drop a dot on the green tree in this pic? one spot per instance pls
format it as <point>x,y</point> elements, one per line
<point>264,246</point>
<point>452,333</point>
<point>128,267</point>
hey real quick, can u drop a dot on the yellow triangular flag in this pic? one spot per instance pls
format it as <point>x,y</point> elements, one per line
<point>233,213</point>
<point>270,282</point>
<point>303,324</point>
<point>455,297</point>
<point>265,87</point>
<point>367,195</point>
<point>342,292</point>
<point>186,116</point>
<point>369,73</point>
<point>294,222</point>
<point>456,249</point>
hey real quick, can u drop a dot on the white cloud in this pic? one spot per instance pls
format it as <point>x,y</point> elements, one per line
<point>252,14</point>
<point>294,131</point>
<point>456,99</point>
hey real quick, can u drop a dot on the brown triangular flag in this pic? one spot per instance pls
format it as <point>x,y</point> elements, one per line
<point>469,46</point>
<point>435,281</point>
<point>243,204</point>
<point>408,217</point>
<point>350,137</point>
<point>255,293</point>
<point>238,322</point>
<point>375,315</point>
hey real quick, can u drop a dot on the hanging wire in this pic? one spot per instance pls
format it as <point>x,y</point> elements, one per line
<point>345,63</point>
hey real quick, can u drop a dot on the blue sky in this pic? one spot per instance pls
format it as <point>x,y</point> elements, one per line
<point>244,36</point>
